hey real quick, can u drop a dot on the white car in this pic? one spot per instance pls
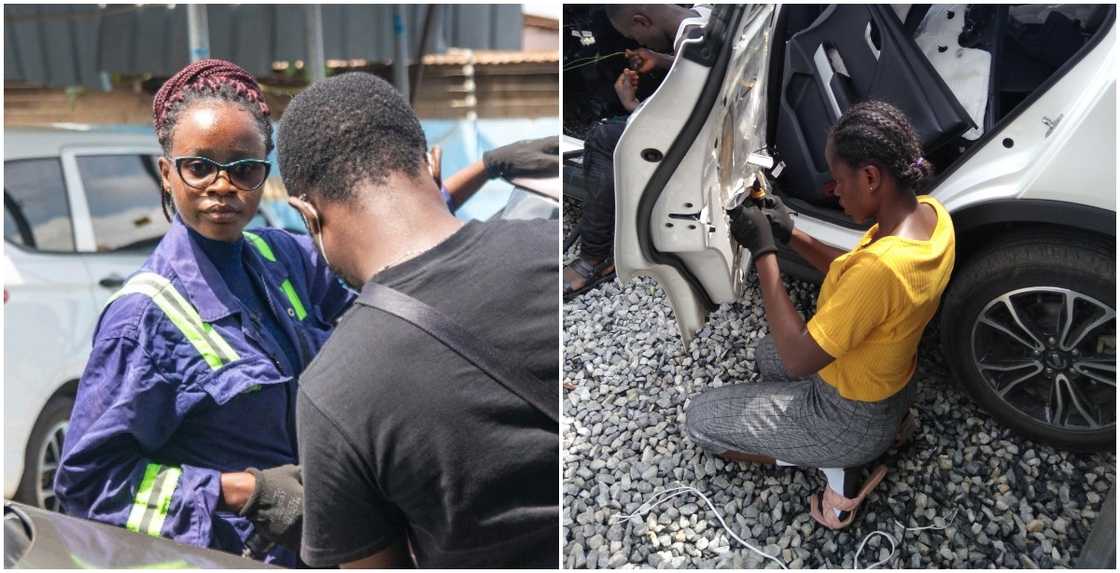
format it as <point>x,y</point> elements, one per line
<point>81,213</point>
<point>1016,106</point>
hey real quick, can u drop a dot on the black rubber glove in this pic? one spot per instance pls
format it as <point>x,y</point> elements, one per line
<point>526,158</point>
<point>276,506</point>
<point>781,222</point>
<point>751,228</point>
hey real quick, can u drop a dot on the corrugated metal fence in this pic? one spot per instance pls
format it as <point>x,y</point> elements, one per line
<point>62,45</point>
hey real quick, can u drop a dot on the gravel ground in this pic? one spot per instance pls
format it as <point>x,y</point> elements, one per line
<point>628,380</point>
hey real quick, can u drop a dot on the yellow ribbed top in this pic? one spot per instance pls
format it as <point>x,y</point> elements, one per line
<point>874,304</point>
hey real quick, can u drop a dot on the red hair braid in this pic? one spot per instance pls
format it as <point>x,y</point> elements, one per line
<point>206,76</point>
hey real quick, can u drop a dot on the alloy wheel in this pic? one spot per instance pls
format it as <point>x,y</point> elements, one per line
<point>50,454</point>
<point>1050,353</point>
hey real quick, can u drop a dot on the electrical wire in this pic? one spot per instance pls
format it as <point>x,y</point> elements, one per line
<point>948,521</point>
<point>581,62</point>
<point>661,497</point>
<point>681,490</point>
<point>588,60</point>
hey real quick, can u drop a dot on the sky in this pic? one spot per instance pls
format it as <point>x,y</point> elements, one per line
<point>546,9</point>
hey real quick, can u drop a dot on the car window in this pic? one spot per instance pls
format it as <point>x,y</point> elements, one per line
<point>16,230</point>
<point>124,201</point>
<point>36,209</point>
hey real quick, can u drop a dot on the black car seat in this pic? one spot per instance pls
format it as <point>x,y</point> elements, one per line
<point>849,54</point>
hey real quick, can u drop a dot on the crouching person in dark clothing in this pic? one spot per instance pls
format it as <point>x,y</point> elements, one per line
<point>413,454</point>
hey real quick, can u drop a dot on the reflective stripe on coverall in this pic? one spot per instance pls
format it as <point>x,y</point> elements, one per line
<point>182,385</point>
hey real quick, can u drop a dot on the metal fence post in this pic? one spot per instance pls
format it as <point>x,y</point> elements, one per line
<point>313,26</point>
<point>198,30</point>
<point>400,52</point>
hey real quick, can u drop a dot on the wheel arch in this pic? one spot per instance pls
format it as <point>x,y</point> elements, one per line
<point>70,388</point>
<point>67,390</point>
<point>978,225</point>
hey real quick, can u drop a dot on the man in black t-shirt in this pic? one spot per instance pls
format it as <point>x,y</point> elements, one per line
<point>406,447</point>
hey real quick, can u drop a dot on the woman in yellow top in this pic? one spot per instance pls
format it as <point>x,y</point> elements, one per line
<point>834,392</point>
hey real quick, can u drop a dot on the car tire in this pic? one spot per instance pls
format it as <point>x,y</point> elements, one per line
<point>1018,281</point>
<point>44,447</point>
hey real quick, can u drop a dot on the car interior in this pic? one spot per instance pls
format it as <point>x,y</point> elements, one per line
<point>956,70</point>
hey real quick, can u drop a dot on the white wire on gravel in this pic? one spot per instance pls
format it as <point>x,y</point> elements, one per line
<point>681,490</point>
<point>949,520</point>
<point>661,497</point>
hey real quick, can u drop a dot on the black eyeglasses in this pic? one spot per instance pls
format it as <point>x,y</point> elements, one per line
<point>201,172</point>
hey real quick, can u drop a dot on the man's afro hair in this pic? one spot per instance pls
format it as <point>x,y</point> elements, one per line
<point>346,130</point>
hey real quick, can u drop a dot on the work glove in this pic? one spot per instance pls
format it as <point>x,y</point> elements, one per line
<point>751,228</point>
<point>276,505</point>
<point>781,221</point>
<point>525,158</point>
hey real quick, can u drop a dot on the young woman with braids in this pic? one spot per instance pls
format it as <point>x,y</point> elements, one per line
<point>834,392</point>
<point>191,384</point>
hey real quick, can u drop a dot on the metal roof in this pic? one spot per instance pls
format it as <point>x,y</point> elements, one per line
<point>62,45</point>
<point>484,58</point>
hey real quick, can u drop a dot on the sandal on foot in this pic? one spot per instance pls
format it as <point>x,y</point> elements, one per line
<point>822,508</point>
<point>906,430</point>
<point>593,275</point>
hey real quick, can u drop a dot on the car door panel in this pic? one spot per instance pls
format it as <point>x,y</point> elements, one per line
<point>134,209</point>
<point>675,172</point>
<point>852,53</point>
<point>47,327</point>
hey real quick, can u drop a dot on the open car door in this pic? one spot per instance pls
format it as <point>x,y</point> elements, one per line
<point>674,172</point>
<point>699,142</point>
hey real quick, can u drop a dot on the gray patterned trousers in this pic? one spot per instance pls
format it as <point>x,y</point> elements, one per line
<point>804,422</point>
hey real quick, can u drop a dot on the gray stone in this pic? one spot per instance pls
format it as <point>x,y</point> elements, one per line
<point>1060,525</point>
<point>576,555</point>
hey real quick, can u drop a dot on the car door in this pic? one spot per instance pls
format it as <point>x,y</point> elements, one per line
<point>697,146</point>
<point>118,217</point>
<point>686,155</point>
<point>852,53</point>
<point>46,295</point>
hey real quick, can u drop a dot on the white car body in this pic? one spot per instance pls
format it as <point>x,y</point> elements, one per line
<point>1064,149</point>
<point>54,299</point>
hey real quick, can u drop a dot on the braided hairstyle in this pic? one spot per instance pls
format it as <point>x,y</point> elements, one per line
<point>210,79</point>
<point>878,133</point>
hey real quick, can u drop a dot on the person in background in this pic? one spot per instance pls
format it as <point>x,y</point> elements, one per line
<point>835,392</point>
<point>413,455</point>
<point>184,422</point>
<point>660,28</point>
<point>527,158</point>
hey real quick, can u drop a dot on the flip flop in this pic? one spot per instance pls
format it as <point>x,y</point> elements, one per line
<point>823,509</point>
<point>592,275</point>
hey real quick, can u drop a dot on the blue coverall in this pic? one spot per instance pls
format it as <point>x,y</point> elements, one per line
<point>181,386</point>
